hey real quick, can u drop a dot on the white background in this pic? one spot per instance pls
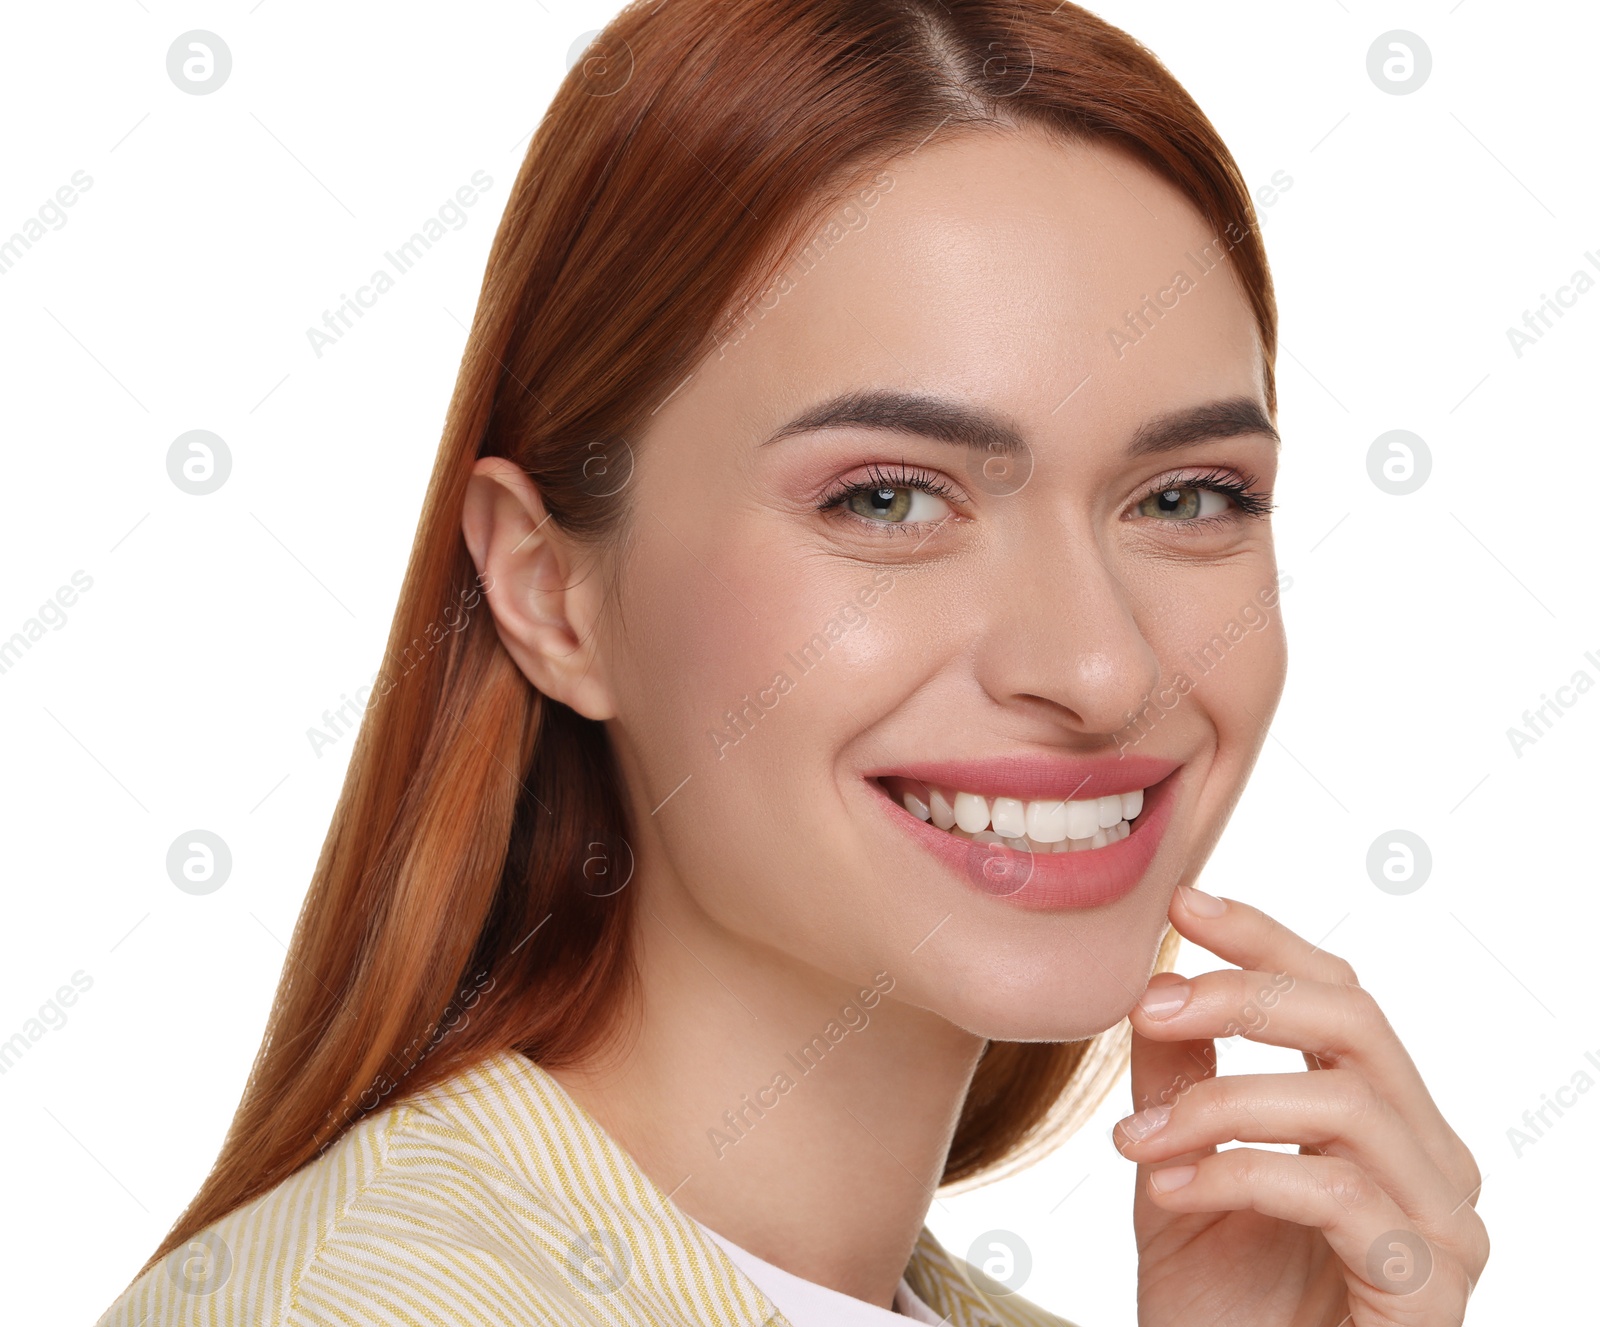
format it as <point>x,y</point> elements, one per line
<point>178,693</point>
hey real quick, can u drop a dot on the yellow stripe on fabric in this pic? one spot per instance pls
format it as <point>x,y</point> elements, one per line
<point>552,1136</point>
<point>959,1291</point>
<point>461,1205</point>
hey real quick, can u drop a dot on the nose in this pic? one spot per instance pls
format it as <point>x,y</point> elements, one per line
<point>1067,633</point>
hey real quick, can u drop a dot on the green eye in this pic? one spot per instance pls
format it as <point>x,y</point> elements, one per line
<point>895,504</point>
<point>1183,503</point>
<point>895,498</point>
<point>888,504</point>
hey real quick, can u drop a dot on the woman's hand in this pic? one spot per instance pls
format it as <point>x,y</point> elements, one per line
<point>1372,1224</point>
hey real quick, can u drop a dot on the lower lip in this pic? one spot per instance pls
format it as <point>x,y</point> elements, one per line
<point>1048,881</point>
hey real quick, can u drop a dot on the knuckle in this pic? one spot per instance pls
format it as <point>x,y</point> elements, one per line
<point>1363,1015</point>
<point>1230,989</point>
<point>1365,1004</point>
<point>1249,1166</point>
<point>1466,1165</point>
<point>1350,1187</point>
<point>1248,1005</point>
<point>1340,972</point>
<point>1477,1247</point>
<point>1354,1096</point>
<point>1212,1102</point>
<point>1253,1169</point>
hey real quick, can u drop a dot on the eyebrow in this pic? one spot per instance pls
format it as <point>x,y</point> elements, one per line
<point>987,431</point>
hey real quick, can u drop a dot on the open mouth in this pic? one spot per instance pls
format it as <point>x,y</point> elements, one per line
<point>1037,825</point>
<point>1036,831</point>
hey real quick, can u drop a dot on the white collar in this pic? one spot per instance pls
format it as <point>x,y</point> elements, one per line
<point>807,1304</point>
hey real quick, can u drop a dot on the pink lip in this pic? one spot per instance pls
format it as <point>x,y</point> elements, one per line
<point>1053,881</point>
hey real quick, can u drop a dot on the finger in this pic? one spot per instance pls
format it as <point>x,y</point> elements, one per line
<point>1339,1113</point>
<point>1239,934</point>
<point>1341,1025</point>
<point>1400,1268</point>
<point>1161,1074</point>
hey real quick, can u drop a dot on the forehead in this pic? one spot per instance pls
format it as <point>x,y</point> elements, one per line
<point>1055,281</point>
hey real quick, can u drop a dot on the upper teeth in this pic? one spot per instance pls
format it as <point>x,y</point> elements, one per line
<point>1095,820</point>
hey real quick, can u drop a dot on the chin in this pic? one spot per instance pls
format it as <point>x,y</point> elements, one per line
<point>1061,997</point>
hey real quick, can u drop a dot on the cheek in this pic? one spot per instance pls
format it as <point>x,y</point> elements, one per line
<point>1210,630</point>
<point>738,692</point>
<point>735,655</point>
<point>1247,687</point>
<point>702,632</point>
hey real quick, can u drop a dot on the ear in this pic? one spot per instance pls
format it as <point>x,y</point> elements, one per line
<point>545,607</point>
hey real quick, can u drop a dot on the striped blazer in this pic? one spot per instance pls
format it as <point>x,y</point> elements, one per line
<point>490,1198</point>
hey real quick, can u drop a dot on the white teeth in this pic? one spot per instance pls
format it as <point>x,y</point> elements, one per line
<point>1042,826</point>
<point>972,812</point>
<point>1047,822</point>
<point>1083,818</point>
<point>1024,843</point>
<point>1007,817</point>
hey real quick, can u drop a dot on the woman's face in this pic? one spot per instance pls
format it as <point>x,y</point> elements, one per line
<point>1049,590</point>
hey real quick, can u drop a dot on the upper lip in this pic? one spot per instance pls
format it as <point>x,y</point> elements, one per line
<point>1037,777</point>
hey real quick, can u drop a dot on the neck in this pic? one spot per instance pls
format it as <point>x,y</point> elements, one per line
<point>805,1117</point>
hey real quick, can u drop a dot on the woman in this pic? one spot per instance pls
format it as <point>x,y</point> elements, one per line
<point>842,620</point>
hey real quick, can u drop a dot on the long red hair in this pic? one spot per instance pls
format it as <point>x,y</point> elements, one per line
<point>461,903</point>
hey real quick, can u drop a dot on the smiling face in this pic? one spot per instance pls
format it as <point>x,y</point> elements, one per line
<point>904,560</point>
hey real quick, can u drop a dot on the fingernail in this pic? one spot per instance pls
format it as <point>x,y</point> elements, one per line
<point>1146,1122</point>
<point>1164,1001</point>
<point>1173,1177</point>
<point>1201,903</point>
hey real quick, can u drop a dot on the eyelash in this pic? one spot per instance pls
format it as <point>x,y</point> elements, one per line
<point>898,476</point>
<point>1241,489</point>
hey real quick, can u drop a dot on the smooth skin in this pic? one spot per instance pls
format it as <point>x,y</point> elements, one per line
<point>771,883</point>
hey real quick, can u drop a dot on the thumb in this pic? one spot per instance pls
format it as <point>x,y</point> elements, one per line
<point>1162,1073</point>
